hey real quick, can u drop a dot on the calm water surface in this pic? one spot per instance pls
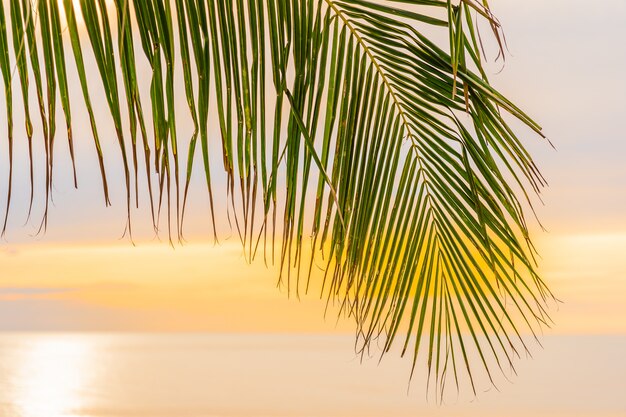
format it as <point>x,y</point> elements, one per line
<point>128,375</point>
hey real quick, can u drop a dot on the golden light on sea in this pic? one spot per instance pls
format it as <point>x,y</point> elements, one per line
<point>50,375</point>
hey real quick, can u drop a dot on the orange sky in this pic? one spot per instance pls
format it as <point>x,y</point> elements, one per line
<point>80,276</point>
<point>197,287</point>
<point>202,287</point>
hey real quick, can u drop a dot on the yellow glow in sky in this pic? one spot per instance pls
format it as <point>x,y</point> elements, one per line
<point>198,287</point>
<point>203,287</point>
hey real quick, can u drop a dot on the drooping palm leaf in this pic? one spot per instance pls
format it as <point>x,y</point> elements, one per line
<point>389,155</point>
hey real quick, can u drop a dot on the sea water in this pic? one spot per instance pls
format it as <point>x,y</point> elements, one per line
<point>207,375</point>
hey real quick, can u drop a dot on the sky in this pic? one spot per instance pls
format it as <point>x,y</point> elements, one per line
<point>564,67</point>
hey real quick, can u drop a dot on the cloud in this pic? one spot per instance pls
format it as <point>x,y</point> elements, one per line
<point>9,250</point>
<point>25,293</point>
<point>33,293</point>
<point>33,290</point>
<point>66,315</point>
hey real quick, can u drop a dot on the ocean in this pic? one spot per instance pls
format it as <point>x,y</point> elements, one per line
<point>215,375</point>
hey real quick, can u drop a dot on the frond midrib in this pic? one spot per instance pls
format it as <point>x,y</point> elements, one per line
<point>430,198</point>
<point>377,66</point>
<point>397,104</point>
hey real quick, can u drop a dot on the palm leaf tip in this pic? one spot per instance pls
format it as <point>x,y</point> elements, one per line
<point>386,153</point>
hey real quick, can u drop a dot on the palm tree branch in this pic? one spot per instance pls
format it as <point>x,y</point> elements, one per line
<point>414,213</point>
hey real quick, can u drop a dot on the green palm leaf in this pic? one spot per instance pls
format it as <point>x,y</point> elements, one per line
<point>387,154</point>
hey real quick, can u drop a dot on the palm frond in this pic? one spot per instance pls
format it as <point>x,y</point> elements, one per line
<point>390,156</point>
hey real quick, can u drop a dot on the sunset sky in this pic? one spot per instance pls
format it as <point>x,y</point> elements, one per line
<point>564,68</point>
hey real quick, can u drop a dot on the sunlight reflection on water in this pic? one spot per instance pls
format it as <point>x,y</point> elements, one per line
<point>49,374</point>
